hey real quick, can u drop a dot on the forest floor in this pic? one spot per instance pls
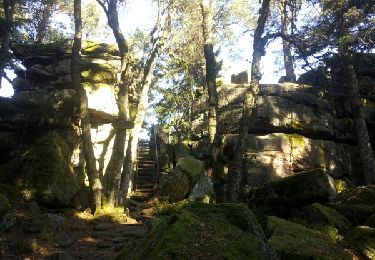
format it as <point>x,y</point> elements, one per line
<point>68,234</point>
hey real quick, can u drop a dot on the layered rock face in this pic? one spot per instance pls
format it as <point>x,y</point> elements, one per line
<point>45,104</point>
<point>294,127</point>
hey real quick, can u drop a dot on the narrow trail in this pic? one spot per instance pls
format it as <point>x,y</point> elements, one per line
<point>68,234</point>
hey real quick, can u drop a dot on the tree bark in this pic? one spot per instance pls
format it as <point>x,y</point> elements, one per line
<point>363,140</point>
<point>209,56</point>
<point>287,52</point>
<point>344,78</point>
<point>8,6</point>
<point>235,178</point>
<point>92,172</point>
<point>113,172</point>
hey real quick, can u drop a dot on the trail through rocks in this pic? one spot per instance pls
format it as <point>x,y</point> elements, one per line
<point>68,234</point>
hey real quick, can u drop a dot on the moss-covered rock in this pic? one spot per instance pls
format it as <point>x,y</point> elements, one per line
<point>363,238</point>
<point>4,205</point>
<point>204,231</point>
<point>280,196</point>
<point>371,221</point>
<point>192,166</point>
<point>294,241</point>
<point>11,193</point>
<point>357,214</point>
<point>358,195</point>
<point>322,217</point>
<point>43,172</point>
<point>177,184</point>
<point>95,49</point>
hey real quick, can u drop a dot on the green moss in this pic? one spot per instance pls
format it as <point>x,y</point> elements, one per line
<point>371,221</point>
<point>297,140</point>
<point>44,171</point>
<point>171,208</point>
<point>294,241</point>
<point>364,239</point>
<point>94,49</point>
<point>26,246</point>
<point>317,214</point>
<point>97,73</point>
<point>357,214</point>
<point>11,193</point>
<point>4,205</point>
<point>358,195</point>
<point>298,125</point>
<point>192,166</point>
<point>204,231</point>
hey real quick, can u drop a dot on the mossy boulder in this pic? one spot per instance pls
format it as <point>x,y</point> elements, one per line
<point>4,206</point>
<point>12,193</point>
<point>357,214</point>
<point>191,166</point>
<point>321,217</point>
<point>43,172</point>
<point>294,241</point>
<point>177,184</point>
<point>280,196</point>
<point>363,238</point>
<point>204,231</point>
<point>371,221</point>
<point>358,195</point>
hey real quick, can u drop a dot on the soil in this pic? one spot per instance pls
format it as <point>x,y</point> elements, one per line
<point>68,234</point>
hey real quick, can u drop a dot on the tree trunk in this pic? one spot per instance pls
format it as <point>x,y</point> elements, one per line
<point>363,140</point>
<point>209,56</point>
<point>235,178</point>
<point>115,164</point>
<point>288,57</point>
<point>345,80</point>
<point>8,6</point>
<point>88,150</point>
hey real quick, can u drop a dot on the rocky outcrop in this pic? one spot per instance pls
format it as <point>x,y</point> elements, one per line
<point>39,133</point>
<point>293,127</point>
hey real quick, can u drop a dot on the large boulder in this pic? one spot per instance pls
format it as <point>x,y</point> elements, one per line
<point>203,190</point>
<point>204,231</point>
<point>43,172</point>
<point>280,196</point>
<point>294,241</point>
<point>177,184</point>
<point>364,239</point>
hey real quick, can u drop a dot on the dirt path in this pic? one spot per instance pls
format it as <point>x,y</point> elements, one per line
<point>67,234</point>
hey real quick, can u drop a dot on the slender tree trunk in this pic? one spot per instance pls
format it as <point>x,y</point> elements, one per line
<point>44,21</point>
<point>210,68</point>
<point>235,185</point>
<point>115,164</point>
<point>92,172</point>
<point>8,6</point>
<point>288,57</point>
